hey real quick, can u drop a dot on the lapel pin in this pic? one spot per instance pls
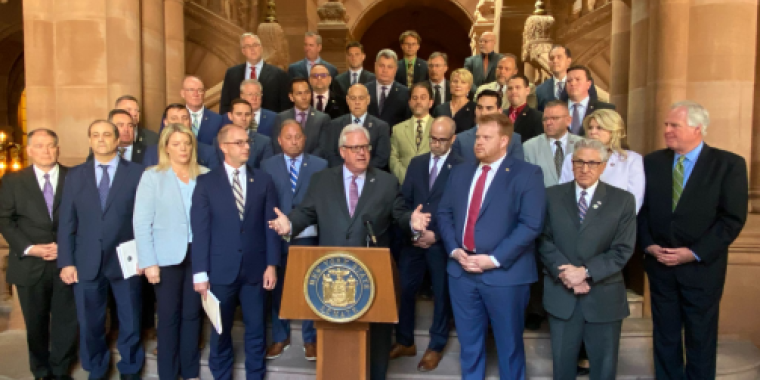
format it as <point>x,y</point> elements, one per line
<point>506,169</point>
<point>205,118</point>
<point>138,151</point>
<point>312,114</point>
<point>449,166</point>
<point>372,180</point>
<point>599,203</point>
<point>596,206</point>
<point>304,164</point>
<point>250,180</point>
<point>369,125</point>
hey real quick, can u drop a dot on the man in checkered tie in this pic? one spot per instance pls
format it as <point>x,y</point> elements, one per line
<point>234,254</point>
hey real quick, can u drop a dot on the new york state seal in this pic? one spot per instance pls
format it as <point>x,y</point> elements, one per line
<point>339,288</point>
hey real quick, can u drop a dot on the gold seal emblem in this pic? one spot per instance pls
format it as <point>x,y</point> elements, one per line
<point>339,288</point>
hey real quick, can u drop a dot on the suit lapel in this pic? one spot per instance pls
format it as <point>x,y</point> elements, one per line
<point>301,173</point>
<point>571,204</point>
<point>62,172</point>
<point>117,184</point>
<point>443,175</point>
<point>595,205</point>
<point>501,174</point>
<point>249,190</point>
<point>340,182</point>
<point>367,193</point>
<point>33,188</point>
<point>695,178</point>
<point>545,154</point>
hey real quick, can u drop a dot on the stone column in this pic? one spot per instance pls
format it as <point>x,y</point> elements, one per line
<point>754,178</point>
<point>620,51</point>
<point>153,64</point>
<point>335,34</point>
<point>637,107</point>
<point>123,49</point>
<point>174,42</point>
<point>512,20</point>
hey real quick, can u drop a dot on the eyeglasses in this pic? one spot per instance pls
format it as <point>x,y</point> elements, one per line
<point>358,148</point>
<point>553,118</point>
<point>253,96</point>
<point>320,75</point>
<point>579,164</point>
<point>241,143</point>
<point>200,91</point>
<point>434,140</point>
<point>251,46</point>
<point>355,98</point>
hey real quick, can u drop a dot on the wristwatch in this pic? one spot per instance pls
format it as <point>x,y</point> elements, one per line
<point>587,274</point>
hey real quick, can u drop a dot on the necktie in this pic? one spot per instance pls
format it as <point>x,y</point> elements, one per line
<point>47,192</point>
<point>678,181</point>
<point>474,211</point>
<point>104,186</point>
<point>560,87</point>
<point>195,124</point>
<point>418,139</point>
<point>485,65</point>
<point>311,65</point>
<point>357,121</point>
<point>238,192</point>
<point>575,127</point>
<point>582,205</point>
<point>382,98</point>
<point>354,78</point>
<point>254,126</point>
<point>122,150</point>
<point>437,95</point>
<point>409,74</point>
<point>302,119</point>
<point>353,195</point>
<point>320,104</point>
<point>513,114</point>
<point>253,73</point>
<point>434,172</point>
<point>559,155</point>
<point>293,174</point>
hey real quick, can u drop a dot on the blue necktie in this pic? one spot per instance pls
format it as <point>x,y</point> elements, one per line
<point>293,174</point>
<point>104,186</point>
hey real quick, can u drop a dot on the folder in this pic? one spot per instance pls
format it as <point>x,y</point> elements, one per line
<point>127,253</point>
<point>211,306</point>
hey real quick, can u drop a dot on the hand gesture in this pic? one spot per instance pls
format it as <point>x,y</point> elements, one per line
<point>572,276</point>
<point>281,225</point>
<point>427,238</point>
<point>420,220</point>
<point>46,252</point>
<point>583,288</point>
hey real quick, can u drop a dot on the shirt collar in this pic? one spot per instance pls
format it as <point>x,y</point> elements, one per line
<point>314,62</point>
<point>519,109</point>
<point>258,66</point>
<point>41,174</point>
<point>357,72</point>
<point>562,139</point>
<point>111,164</point>
<point>583,103</point>
<point>229,169</point>
<point>424,119</point>
<point>589,191</point>
<point>407,61</point>
<point>494,165</point>
<point>693,154</point>
<point>442,158</point>
<point>380,86</point>
<point>288,159</point>
<point>200,111</point>
<point>348,175</point>
<point>560,80</point>
<point>442,84</point>
<point>361,118</point>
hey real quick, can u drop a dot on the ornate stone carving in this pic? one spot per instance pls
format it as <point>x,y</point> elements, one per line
<point>601,15</point>
<point>484,22</point>
<point>332,12</point>
<point>275,44</point>
<point>537,41</point>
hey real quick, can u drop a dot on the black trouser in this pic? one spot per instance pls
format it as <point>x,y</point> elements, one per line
<point>379,350</point>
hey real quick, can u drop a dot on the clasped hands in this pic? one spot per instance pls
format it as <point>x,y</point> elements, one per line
<point>281,225</point>
<point>574,278</point>
<point>671,256</point>
<point>473,263</point>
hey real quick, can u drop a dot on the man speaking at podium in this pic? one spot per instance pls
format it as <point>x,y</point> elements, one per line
<point>348,203</point>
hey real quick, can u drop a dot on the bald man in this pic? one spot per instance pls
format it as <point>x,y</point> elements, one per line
<point>483,65</point>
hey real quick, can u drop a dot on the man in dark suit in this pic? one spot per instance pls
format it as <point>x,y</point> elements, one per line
<point>312,46</point>
<point>324,99</point>
<point>204,122</point>
<point>235,251</point>
<point>487,104</point>
<point>130,104</point>
<point>262,120</point>
<point>356,73</point>
<point>291,172</point>
<point>29,202</point>
<point>490,215</point>
<point>389,100</point>
<point>589,235</point>
<point>424,184</point>
<point>314,123</point>
<point>554,87</point>
<point>128,148</point>
<point>339,200</point>
<point>695,205</point>
<point>411,69</point>
<point>274,81</point>
<point>95,218</point>
<point>177,113</point>
<point>528,122</point>
<point>438,64</point>
<point>260,145</point>
<point>379,131</point>
<point>579,102</point>
<point>483,65</point>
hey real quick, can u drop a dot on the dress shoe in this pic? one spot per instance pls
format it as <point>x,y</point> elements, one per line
<point>44,378</point>
<point>583,371</point>
<point>63,377</point>
<point>533,321</point>
<point>310,351</point>
<point>399,350</point>
<point>275,350</point>
<point>149,333</point>
<point>132,376</point>
<point>429,361</point>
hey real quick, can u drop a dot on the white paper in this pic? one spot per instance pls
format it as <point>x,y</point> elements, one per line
<point>211,306</point>
<point>127,253</point>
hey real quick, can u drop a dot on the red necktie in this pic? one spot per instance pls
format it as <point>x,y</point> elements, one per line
<point>474,211</point>
<point>253,73</point>
<point>513,115</point>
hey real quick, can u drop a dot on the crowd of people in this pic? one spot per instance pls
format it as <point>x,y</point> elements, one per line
<point>512,203</point>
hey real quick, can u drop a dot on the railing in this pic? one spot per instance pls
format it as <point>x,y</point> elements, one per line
<point>239,12</point>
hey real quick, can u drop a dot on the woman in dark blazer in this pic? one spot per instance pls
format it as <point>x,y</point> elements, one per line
<point>460,108</point>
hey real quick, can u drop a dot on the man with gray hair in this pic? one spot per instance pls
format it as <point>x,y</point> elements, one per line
<point>695,205</point>
<point>580,217</point>
<point>273,80</point>
<point>312,46</point>
<point>389,100</point>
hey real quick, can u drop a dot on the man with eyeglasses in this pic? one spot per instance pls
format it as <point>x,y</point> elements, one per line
<point>325,99</point>
<point>274,81</point>
<point>358,100</point>
<point>411,69</point>
<point>235,255</point>
<point>438,64</point>
<point>260,145</point>
<point>204,122</point>
<point>424,184</point>
<point>487,104</point>
<point>262,120</point>
<point>588,236</point>
<point>313,122</point>
<point>483,65</point>
<point>128,148</point>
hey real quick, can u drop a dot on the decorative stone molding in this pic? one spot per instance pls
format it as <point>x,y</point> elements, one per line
<point>484,22</point>
<point>332,12</point>
<point>600,16</point>
<point>537,42</point>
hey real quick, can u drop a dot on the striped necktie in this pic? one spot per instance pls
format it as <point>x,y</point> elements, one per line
<point>238,191</point>
<point>678,181</point>
<point>293,174</point>
<point>582,205</point>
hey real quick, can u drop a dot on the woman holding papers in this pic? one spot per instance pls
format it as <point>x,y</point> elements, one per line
<point>164,240</point>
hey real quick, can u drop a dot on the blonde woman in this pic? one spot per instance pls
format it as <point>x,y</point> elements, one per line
<point>460,108</point>
<point>162,232</point>
<point>625,168</point>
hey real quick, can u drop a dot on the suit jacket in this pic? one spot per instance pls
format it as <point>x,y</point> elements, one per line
<point>379,138</point>
<point>447,94</point>
<point>532,102</point>
<point>224,246</point>
<point>160,219</point>
<point>260,149</point>
<point>594,105</point>
<point>317,123</point>
<point>87,235</point>
<point>146,136</point>
<point>396,107</point>
<point>275,83</point>
<point>416,187</point>
<point>420,71</point>
<point>545,93</point>
<point>298,69</point>
<point>475,65</point>
<point>404,145</point>
<point>276,167</point>
<point>342,82</point>
<point>211,123</point>
<point>529,123</point>
<point>464,119</point>
<point>325,205</point>
<point>603,243</point>
<point>206,155</point>
<point>539,152</point>
<point>266,122</point>
<point>336,105</point>
<point>139,150</point>
<point>511,218</point>
<point>710,214</point>
<point>465,143</point>
<point>24,221</point>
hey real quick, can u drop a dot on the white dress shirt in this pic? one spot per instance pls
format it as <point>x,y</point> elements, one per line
<point>441,160</point>
<point>361,118</point>
<point>257,67</point>
<point>562,140</point>
<point>351,76</point>
<point>556,82</point>
<point>626,174</point>
<point>443,90</point>
<point>589,193</point>
<point>325,99</point>
<point>380,91</point>
<point>127,152</point>
<point>40,175</point>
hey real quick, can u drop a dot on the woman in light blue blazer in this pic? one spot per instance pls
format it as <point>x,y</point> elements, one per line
<point>164,239</point>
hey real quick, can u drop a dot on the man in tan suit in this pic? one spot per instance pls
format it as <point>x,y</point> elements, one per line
<point>506,68</point>
<point>411,137</point>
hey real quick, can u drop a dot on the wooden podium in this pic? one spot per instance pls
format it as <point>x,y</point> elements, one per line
<point>342,348</point>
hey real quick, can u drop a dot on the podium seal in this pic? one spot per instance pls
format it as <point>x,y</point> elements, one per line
<point>339,288</point>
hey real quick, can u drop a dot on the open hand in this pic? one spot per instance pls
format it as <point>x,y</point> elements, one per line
<point>420,220</point>
<point>281,225</point>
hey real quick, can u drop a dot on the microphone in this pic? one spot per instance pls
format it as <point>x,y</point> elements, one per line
<point>370,230</point>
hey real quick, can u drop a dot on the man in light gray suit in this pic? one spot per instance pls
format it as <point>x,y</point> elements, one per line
<point>589,235</point>
<point>291,172</point>
<point>549,149</point>
<point>240,114</point>
<point>314,123</point>
<point>487,103</point>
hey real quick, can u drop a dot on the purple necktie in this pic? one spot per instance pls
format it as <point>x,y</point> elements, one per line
<point>104,186</point>
<point>47,191</point>
<point>434,172</point>
<point>353,195</point>
<point>302,119</point>
<point>381,104</point>
<point>575,126</point>
<point>320,104</point>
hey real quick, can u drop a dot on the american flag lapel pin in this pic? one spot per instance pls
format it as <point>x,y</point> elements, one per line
<point>372,180</point>
<point>369,125</point>
<point>250,180</point>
